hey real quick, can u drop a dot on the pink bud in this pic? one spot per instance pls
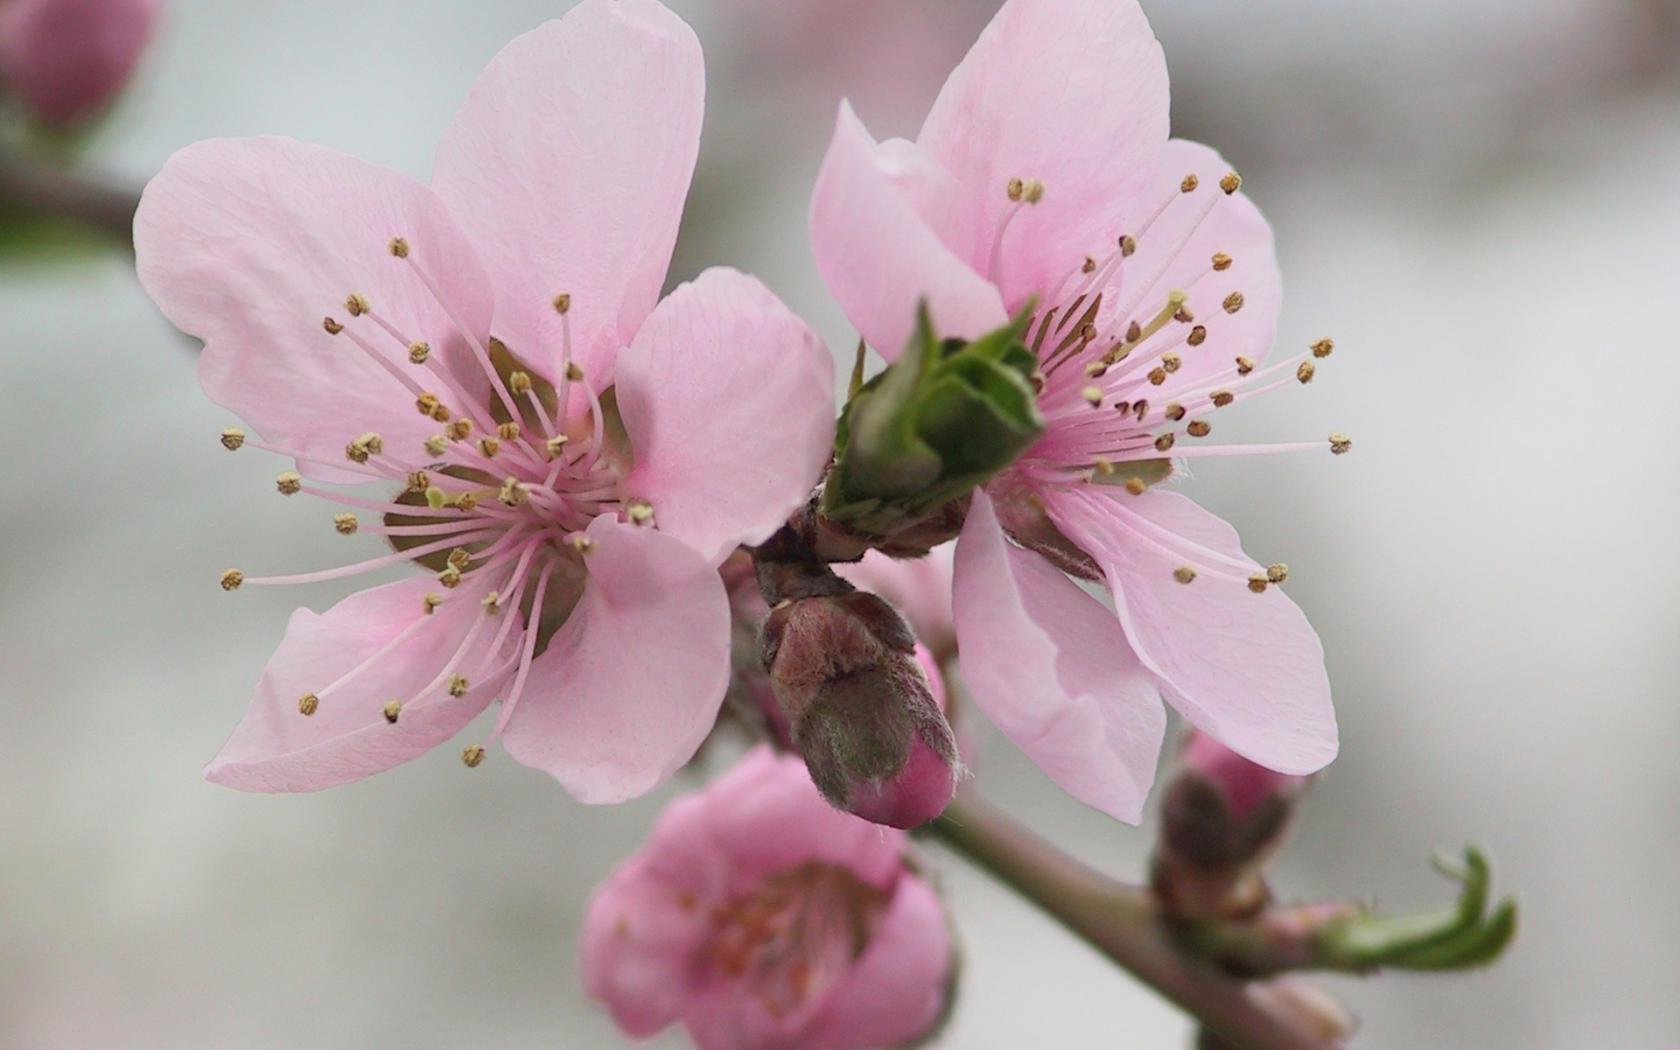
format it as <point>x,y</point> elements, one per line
<point>862,707</point>
<point>760,918</point>
<point>1245,785</point>
<point>68,59</point>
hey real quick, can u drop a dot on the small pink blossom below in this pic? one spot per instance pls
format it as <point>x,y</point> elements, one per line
<point>1044,177</point>
<point>763,919</point>
<point>574,500</point>
<point>68,59</point>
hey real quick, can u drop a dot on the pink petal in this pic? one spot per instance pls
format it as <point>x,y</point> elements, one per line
<point>631,685</point>
<point>1180,246</point>
<point>568,164</point>
<point>880,257</point>
<point>1050,666</point>
<point>728,399</point>
<point>1246,668</point>
<point>248,243</point>
<point>1072,93</point>
<point>277,749</point>
<point>638,946</point>
<point>897,989</point>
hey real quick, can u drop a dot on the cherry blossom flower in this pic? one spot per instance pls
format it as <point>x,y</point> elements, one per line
<point>1044,180</point>
<point>763,919</point>
<point>67,59</point>
<point>574,461</point>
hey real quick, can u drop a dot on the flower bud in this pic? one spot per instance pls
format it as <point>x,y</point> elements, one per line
<point>860,706</point>
<point>67,59</point>
<point>760,918</point>
<point>1222,817</point>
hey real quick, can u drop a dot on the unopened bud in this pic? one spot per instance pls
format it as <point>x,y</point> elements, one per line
<point>863,713</point>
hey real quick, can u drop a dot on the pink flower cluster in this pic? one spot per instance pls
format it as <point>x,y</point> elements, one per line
<point>571,459</point>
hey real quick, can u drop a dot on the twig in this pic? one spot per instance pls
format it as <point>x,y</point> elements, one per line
<point>35,189</point>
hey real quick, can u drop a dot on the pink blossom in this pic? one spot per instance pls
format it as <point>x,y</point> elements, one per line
<point>67,59</point>
<point>1244,785</point>
<point>1044,177</point>
<point>763,919</point>
<point>583,494</point>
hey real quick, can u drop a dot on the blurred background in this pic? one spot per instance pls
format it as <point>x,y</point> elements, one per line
<point>1478,198</point>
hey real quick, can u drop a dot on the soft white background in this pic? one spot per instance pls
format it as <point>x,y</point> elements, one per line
<point>1479,199</point>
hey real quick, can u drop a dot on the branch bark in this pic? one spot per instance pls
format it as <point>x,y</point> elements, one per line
<point>32,188</point>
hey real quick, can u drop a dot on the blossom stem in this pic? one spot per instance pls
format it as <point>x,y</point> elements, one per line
<point>34,189</point>
<point>1124,922</point>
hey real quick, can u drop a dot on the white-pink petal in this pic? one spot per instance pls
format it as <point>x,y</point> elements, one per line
<point>630,686</point>
<point>729,404</point>
<point>1245,668</point>
<point>1051,668</point>
<point>568,164</point>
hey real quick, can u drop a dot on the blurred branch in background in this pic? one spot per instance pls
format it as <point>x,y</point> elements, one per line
<point>38,198</point>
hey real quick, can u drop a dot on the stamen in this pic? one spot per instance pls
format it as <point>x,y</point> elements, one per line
<point>1323,348</point>
<point>1199,428</point>
<point>231,579</point>
<point>1258,583</point>
<point>1340,443</point>
<point>345,524</point>
<point>1221,261</point>
<point>308,704</point>
<point>1233,302</point>
<point>393,711</point>
<point>356,303</point>
<point>1277,572</point>
<point>399,247</point>
<point>1231,183</point>
<point>1189,184</point>
<point>1305,372</point>
<point>1184,574</point>
<point>288,482</point>
<point>418,352</point>
<point>458,686</point>
<point>472,756</point>
<point>233,439</point>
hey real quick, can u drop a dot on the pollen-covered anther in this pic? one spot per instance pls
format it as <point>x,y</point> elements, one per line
<point>364,447</point>
<point>1323,348</point>
<point>430,602</point>
<point>392,711</point>
<point>472,756</point>
<point>1184,314</point>
<point>639,511</point>
<point>418,352</point>
<point>1197,336</point>
<point>330,326</point>
<point>563,302</point>
<point>399,247</point>
<point>459,430</point>
<point>1340,443</point>
<point>1128,246</point>
<point>450,577</point>
<point>1184,574</point>
<point>308,704</point>
<point>231,579</point>
<point>1032,191</point>
<point>345,524</point>
<point>357,304</point>
<point>1141,409</point>
<point>1157,376</point>
<point>418,481</point>
<point>1221,398</point>
<point>582,544</point>
<point>574,371</point>
<point>1174,411</point>
<point>1135,486</point>
<point>1189,184</point>
<point>1221,261</point>
<point>1134,332</point>
<point>459,557</point>
<point>1102,467</point>
<point>508,431</point>
<point>1198,428</point>
<point>489,446</point>
<point>1093,395</point>
<point>1277,572</point>
<point>1165,441</point>
<point>233,439</point>
<point>426,404</point>
<point>1233,302</point>
<point>1015,188</point>
<point>1306,372</point>
<point>1171,363</point>
<point>466,501</point>
<point>436,444</point>
<point>556,443</point>
<point>458,686</point>
<point>288,482</point>
<point>1245,365</point>
<point>519,383</point>
<point>1258,583</point>
<point>511,493</point>
<point>1089,266</point>
<point>1231,182</point>
<point>492,602</point>
<point>1096,369</point>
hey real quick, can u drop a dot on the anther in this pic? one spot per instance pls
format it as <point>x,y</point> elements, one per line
<point>511,493</point>
<point>393,711</point>
<point>639,511</point>
<point>418,352</point>
<point>399,247</point>
<point>1258,583</point>
<point>288,482</point>
<point>1141,409</point>
<point>1171,363</point>
<point>508,431</point>
<point>459,557</point>
<point>520,383</point>
<point>1245,365</point>
<point>458,686</point>
<point>1165,441</point>
<point>1277,572</point>
<point>582,544</point>
<point>308,704</point>
<point>1323,347</point>
<point>1122,407</point>
<point>489,446</point>
<point>1305,372</point>
<point>426,404</point>
<point>357,304</point>
<point>1233,302</point>
<point>1231,183</point>
<point>1157,376</point>
<point>1184,574</point>
<point>1197,336</point>
<point>1015,189</point>
<point>1189,184</point>
<point>450,577</point>
<point>1174,411</point>
<point>1093,395</point>
<point>430,602</point>
<point>1221,261</point>
<point>472,756</point>
<point>1089,266</point>
<point>492,602</point>
<point>574,371</point>
<point>1221,398</point>
<point>1135,486</point>
<point>436,444</point>
<point>1340,443</point>
<point>556,443</point>
<point>466,501</point>
<point>331,326</point>
<point>459,430</point>
<point>441,414</point>
<point>562,302</point>
<point>233,438</point>
<point>1134,332</point>
<point>1184,315</point>
<point>345,524</point>
<point>419,481</point>
<point>1198,428</point>
<point>1128,246</point>
<point>1103,467</point>
<point>1096,369</point>
<point>231,580</point>
<point>1033,191</point>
